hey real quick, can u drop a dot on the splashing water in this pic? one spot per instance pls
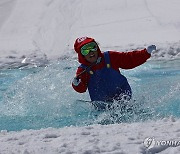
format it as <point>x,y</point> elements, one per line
<point>43,97</point>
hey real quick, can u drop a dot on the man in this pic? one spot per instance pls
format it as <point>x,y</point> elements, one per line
<point>99,72</point>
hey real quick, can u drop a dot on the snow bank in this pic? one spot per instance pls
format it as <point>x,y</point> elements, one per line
<point>118,138</point>
<point>49,27</point>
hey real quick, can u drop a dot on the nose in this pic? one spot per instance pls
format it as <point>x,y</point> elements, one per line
<point>91,52</point>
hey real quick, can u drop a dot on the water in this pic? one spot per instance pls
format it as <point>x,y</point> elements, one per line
<point>34,98</point>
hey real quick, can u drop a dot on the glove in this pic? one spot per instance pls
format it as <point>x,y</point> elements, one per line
<point>76,81</point>
<point>151,48</point>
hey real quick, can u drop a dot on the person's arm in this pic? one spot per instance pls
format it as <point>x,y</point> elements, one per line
<point>128,60</point>
<point>80,84</point>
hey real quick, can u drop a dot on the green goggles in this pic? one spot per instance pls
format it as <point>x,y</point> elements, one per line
<point>87,48</point>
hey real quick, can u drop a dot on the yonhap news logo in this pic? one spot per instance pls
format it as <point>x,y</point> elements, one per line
<point>151,142</point>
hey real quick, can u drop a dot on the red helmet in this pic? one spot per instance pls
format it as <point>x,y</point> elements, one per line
<point>77,47</point>
<point>82,41</point>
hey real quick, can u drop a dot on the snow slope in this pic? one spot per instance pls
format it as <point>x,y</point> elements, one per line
<point>51,26</point>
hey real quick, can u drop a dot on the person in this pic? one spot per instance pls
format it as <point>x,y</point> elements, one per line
<point>99,72</point>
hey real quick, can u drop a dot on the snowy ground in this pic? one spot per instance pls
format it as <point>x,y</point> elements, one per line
<point>36,31</point>
<point>110,139</point>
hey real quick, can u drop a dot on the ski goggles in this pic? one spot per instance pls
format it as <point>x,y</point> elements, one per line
<point>87,48</point>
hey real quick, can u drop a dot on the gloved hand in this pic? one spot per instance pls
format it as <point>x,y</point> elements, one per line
<point>76,81</point>
<point>151,48</point>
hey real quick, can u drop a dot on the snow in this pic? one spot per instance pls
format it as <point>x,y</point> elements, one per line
<point>36,31</point>
<point>117,138</point>
<point>51,27</point>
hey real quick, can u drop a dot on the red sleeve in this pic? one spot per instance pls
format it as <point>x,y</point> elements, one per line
<point>128,60</point>
<point>82,87</point>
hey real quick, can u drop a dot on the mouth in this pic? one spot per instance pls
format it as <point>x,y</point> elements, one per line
<point>92,55</point>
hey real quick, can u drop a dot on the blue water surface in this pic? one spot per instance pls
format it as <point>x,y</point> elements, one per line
<point>41,97</point>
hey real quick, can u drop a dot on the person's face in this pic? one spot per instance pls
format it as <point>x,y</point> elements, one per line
<point>92,56</point>
<point>89,51</point>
